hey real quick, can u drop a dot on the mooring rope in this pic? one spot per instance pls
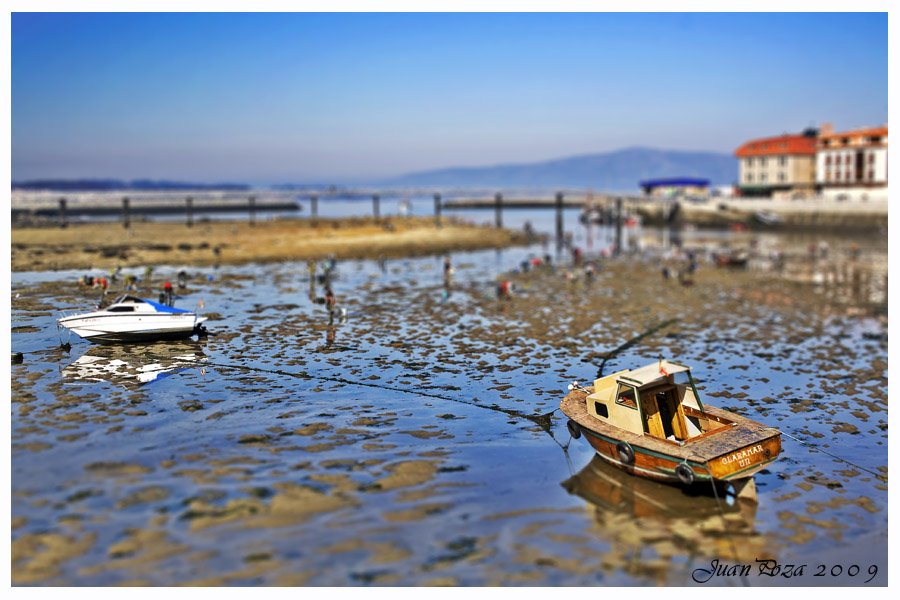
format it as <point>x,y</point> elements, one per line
<point>836,457</point>
<point>544,421</point>
<point>628,344</point>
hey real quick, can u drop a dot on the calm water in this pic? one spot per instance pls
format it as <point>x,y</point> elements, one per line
<point>404,446</point>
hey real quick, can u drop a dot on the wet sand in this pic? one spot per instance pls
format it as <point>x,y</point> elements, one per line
<point>419,442</point>
<point>107,245</point>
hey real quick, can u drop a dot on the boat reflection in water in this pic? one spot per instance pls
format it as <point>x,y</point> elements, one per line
<point>135,365</point>
<point>664,532</point>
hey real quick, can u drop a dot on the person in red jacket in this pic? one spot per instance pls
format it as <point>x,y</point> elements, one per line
<point>167,290</point>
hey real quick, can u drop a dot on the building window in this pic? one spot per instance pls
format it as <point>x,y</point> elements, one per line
<point>849,176</point>
<point>749,162</point>
<point>783,161</point>
<point>871,175</point>
<point>762,161</point>
<point>762,177</point>
<point>837,175</point>
<point>847,159</point>
<point>749,177</point>
<point>828,159</point>
<point>782,177</point>
<point>871,157</point>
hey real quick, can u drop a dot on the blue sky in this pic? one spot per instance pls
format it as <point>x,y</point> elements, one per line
<point>268,98</point>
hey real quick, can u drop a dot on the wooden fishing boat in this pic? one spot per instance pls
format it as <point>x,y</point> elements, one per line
<point>651,423</point>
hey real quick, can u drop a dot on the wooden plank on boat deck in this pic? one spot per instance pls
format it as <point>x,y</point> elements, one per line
<point>744,432</point>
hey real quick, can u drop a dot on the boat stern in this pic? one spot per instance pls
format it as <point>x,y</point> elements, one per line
<point>747,460</point>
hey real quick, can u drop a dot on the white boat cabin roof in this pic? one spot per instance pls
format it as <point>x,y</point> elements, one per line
<point>652,373</point>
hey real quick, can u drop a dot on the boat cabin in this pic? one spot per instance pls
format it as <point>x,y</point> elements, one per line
<point>659,400</point>
<point>127,303</point>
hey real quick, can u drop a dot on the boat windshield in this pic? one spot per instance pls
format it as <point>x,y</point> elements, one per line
<point>126,299</point>
<point>684,378</point>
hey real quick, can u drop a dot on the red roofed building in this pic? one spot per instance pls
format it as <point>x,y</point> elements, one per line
<point>780,165</point>
<point>852,159</point>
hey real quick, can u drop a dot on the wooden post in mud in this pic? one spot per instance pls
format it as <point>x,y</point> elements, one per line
<point>252,203</point>
<point>618,226</point>
<point>314,209</point>
<point>126,212</point>
<point>498,210</point>
<point>189,206</point>
<point>376,206</point>
<point>559,220</point>
<point>437,210</point>
<point>62,213</point>
<point>856,283</point>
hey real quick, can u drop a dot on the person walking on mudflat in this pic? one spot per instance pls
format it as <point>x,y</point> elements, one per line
<point>330,305</point>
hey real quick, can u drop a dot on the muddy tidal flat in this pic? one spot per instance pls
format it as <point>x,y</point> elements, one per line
<point>109,244</point>
<point>418,441</point>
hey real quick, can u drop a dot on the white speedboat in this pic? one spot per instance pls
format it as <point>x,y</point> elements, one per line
<point>131,319</point>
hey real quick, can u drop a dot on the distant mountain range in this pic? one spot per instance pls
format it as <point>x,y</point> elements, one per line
<point>93,185</point>
<point>620,170</point>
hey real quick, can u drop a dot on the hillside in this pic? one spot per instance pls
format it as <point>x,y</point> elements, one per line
<point>620,170</point>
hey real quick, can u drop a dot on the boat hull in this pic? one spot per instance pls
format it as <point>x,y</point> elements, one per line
<point>732,453</point>
<point>109,330</point>
<point>662,467</point>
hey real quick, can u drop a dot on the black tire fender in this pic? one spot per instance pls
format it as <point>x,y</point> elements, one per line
<point>684,473</point>
<point>625,453</point>
<point>574,429</point>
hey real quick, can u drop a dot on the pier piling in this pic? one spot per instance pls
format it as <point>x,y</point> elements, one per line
<point>126,213</point>
<point>314,209</point>
<point>376,206</point>
<point>189,207</point>
<point>559,220</point>
<point>437,210</point>
<point>63,223</point>
<point>498,210</point>
<point>618,225</point>
<point>252,203</point>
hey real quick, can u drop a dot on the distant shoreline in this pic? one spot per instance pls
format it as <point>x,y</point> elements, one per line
<point>144,243</point>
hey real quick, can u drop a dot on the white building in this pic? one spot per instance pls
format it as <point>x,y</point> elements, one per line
<point>852,164</point>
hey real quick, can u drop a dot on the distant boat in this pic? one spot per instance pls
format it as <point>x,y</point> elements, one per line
<point>131,319</point>
<point>594,215</point>
<point>736,259</point>
<point>766,217</point>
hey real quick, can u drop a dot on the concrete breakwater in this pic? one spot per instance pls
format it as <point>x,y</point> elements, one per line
<point>809,215</point>
<point>817,214</point>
